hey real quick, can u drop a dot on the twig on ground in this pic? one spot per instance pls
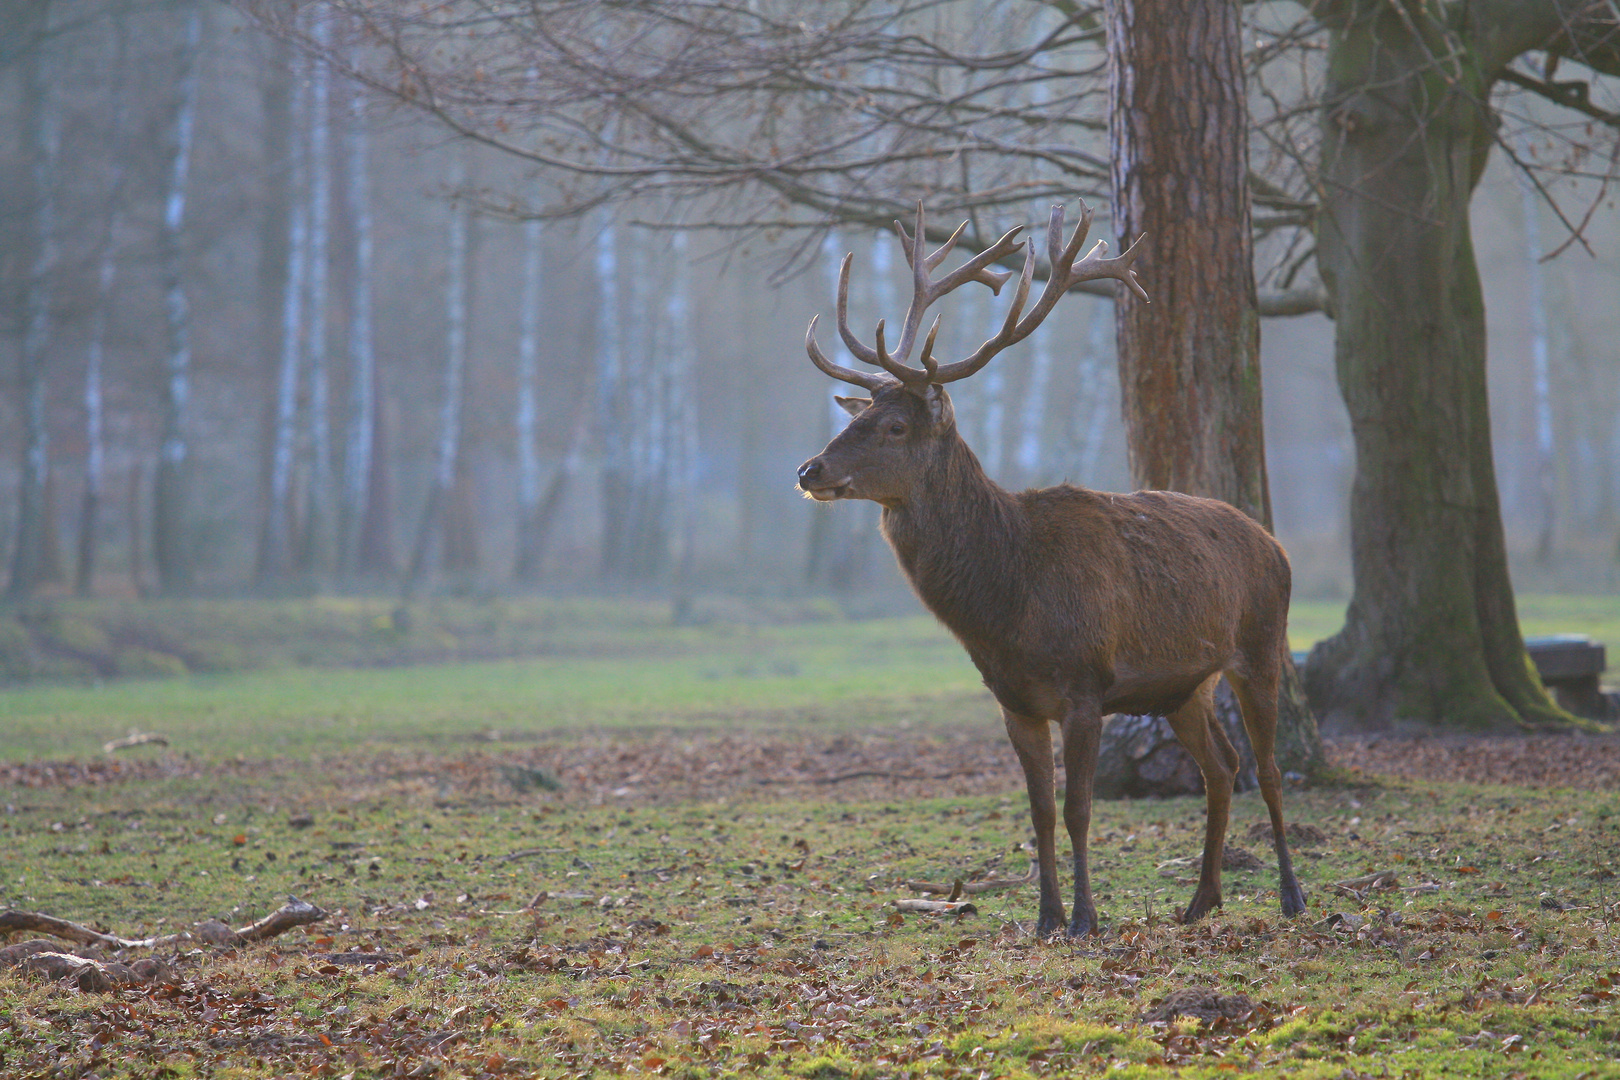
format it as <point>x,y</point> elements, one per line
<point>865,774</point>
<point>135,738</point>
<point>973,888</point>
<point>938,907</point>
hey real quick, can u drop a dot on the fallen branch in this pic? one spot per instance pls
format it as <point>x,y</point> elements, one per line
<point>134,738</point>
<point>1358,887</point>
<point>865,774</point>
<point>938,907</point>
<point>974,888</point>
<point>293,913</point>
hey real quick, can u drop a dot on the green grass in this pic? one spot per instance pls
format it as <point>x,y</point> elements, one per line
<point>1540,614</point>
<point>743,936</point>
<point>846,673</point>
<point>746,929</point>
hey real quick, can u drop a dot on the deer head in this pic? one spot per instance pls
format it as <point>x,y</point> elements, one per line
<point>908,420</point>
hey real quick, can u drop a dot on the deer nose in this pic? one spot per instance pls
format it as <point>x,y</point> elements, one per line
<point>809,472</point>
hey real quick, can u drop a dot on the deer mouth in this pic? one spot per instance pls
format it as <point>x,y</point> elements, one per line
<point>828,492</point>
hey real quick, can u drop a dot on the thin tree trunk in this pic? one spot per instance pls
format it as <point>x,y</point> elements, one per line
<point>275,539</point>
<point>438,514</point>
<point>612,423</point>
<point>376,542</point>
<point>317,548</point>
<point>1190,362</point>
<point>1100,389</point>
<point>357,462</point>
<point>171,543</point>
<point>1032,414</point>
<point>28,558</point>
<point>1541,371</point>
<point>95,455</point>
<point>526,566</point>
<point>681,484</point>
<point>1431,635</point>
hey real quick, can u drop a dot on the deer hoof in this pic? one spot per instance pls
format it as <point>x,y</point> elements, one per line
<point>1199,908</point>
<point>1293,899</point>
<point>1080,928</point>
<point>1048,924</point>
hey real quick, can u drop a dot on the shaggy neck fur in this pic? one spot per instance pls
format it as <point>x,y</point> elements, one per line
<point>963,542</point>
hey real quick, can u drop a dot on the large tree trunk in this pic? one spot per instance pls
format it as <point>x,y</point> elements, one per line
<point>171,542</point>
<point>1431,635</point>
<point>1190,362</point>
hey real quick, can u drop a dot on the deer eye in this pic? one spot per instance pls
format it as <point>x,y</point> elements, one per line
<point>897,429</point>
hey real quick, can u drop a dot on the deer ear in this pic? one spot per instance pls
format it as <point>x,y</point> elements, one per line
<point>939,404</point>
<point>853,405</point>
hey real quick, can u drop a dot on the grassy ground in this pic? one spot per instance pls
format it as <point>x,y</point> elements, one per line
<point>739,809</point>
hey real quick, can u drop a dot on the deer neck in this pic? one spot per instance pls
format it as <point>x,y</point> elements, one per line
<point>962,540</point>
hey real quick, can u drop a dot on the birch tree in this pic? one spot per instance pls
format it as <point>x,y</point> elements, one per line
<point>275,542</point>
<point>29,560</point>
<point>362,413</point>
<point>171,540</point>
<point>435,536</point>
<point>95,451</point>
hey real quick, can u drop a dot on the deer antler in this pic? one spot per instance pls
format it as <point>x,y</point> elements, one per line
<point>1065,274</point>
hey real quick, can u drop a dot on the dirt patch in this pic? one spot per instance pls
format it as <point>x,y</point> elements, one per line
<point>1585,762</point>
<point>872,765</point>
<point>1205,1005</point>
<point>1299,834</point>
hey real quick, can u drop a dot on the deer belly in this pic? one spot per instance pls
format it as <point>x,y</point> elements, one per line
<point>1018,693</point>
<point>1159,696</point>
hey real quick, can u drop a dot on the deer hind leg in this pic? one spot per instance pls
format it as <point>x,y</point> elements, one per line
<point>1082,732</point>
<point>1032,740</point>
<point>1194,724</point>
<point>1257,697</point>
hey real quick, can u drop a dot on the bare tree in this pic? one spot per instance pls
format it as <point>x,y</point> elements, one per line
<point>1371,125</point>
<point>362,422</point>
<point>171,541</point>
<point>29,558</point>
<point>1407,124</point>
<point>275,541</point>
<point>439,531</point>
<point>316,550</point>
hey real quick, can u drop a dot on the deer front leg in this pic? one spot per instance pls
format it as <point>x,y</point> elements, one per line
<point>1032,739</point>
<point>1082,732</point>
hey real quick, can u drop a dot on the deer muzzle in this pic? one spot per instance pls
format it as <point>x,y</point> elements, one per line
<point>816,482</point>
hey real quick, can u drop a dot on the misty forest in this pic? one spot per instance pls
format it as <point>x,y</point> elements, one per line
<point>402,413</point>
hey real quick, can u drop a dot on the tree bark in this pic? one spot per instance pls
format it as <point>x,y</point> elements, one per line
<point>1190,363</point>
<point>1431,636</point>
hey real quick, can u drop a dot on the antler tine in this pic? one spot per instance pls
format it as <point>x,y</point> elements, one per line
<point>895,367</point>
<point>1094,266</point>
<point>856,347</point>
<point>1010,333</point>
<point>866,380</point>
<point>929,364</point>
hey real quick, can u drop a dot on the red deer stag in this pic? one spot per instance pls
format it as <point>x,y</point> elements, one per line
<point>1072,603</point>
